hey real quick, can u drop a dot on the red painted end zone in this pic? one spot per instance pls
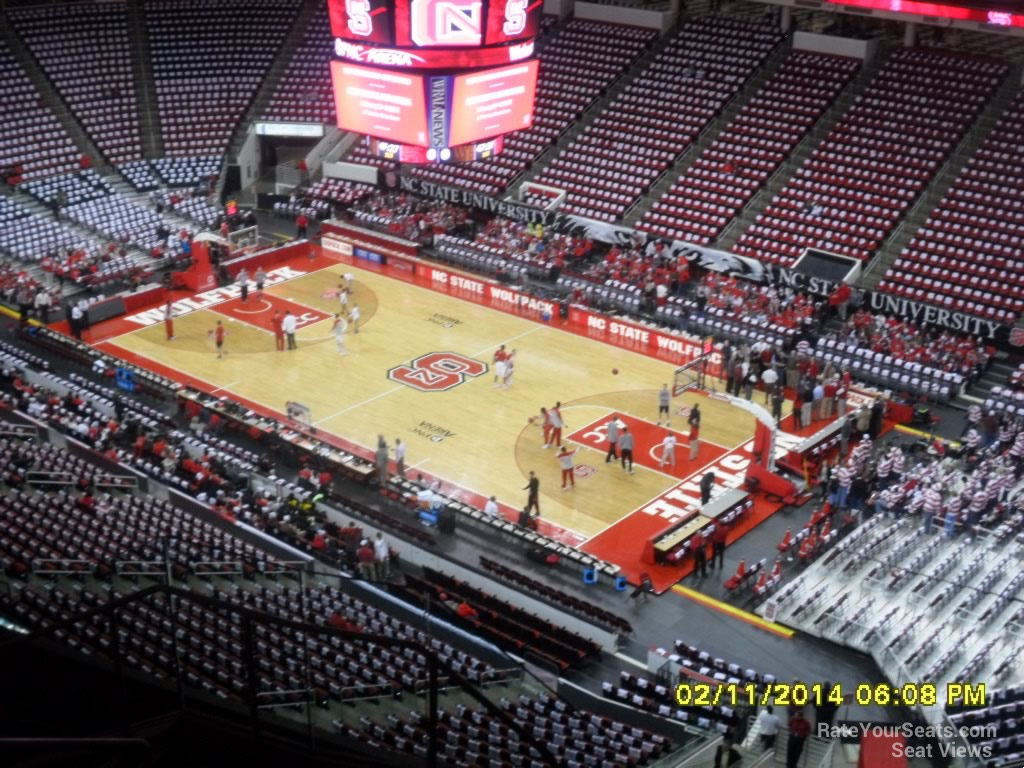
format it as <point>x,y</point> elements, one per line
<point>647,438</point>
<point>623,542</point>
<point>260,311</point>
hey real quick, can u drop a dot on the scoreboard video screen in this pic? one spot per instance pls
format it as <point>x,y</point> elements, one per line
<point>439,111</point>
<point>492,102</point>
<point>437,77</point>
<point>389,105</point>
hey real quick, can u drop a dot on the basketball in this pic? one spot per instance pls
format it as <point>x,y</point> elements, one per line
<point>615,371</point>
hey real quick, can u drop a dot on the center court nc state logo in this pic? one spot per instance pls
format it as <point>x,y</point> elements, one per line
<point>437,371</point>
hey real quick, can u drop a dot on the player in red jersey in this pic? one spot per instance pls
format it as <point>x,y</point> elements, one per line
<point>278,323</point>
<point>557,424</point>
<point>565,460</point>
<point>500,359</point>
<point>169,321</point>
<point>218,335</point>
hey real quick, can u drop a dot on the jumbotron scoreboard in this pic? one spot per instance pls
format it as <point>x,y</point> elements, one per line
<point>434,80</point>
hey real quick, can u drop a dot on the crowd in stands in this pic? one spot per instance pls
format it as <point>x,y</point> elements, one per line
<point>953,490</point>
<point>966,256</point>
<point>504,622</point>
<point>192,203</point>
<point>84,519</point>
<point>214,476</point>
<point>900,339</point>
<point>578,66</point>
<point>339,191</point>
<point>732,170</point>
<point>406,216</point>
<point>93,266</point>
<point>650,278</point>
<point>305,93</point>
<point>34,144</point>
<point>21,290</point>
<point>200,171</point>
<point>615,160</point>
<point>207,67</point>
<point>859,183</point>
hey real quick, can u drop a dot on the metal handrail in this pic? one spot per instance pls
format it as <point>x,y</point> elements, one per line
<point>39,563</point>
<point>829,756</point>
<point>250,616</point>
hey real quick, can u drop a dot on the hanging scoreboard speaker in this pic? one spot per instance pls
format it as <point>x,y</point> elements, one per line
<point>435,80</point>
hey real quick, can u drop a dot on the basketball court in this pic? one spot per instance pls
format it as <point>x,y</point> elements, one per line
<point>420,369</point>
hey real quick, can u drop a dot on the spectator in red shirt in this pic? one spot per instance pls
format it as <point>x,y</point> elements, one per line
<point>840,300</point>
<point>466,611</point>
<point>365,559</point>
<point>301,225</point>
<point>278,322</point>
<point>324,481</point>
<point>340,622</point>
<point>799,730</point>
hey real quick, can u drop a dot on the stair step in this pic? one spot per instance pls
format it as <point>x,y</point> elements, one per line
<point>145,89</point>
<point>802,152</point>
<point>51,97</point>
<point>272,79</point>
<point>975,136</point>
<point>594,111</point>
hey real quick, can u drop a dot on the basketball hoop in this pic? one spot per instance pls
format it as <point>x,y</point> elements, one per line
<point>690,376</point>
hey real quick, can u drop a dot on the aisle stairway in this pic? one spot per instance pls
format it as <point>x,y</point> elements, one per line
<point>272,79</point>
<point>803,150</point>
<point>595,110</point>
<point>710,134</point>
<point>145,91</point>
<point>944,179</point>
<point>49,96</point>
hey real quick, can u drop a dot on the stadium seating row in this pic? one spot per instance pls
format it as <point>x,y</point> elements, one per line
<point>719,184</point>
<point>577,67</point>
<point>967,255</point>
<point>84,50</point>
<point>864,177</point>
<point>616,159</point>
<point>208,64</point>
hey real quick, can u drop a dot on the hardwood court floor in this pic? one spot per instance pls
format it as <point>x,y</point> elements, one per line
<point>472,434</point>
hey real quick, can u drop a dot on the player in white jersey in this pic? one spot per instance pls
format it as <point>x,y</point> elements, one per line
<point>668,451</point>
<point>343,298</point>
<point>338,329</point>
<point>664,400</point>
<point>510,368</point>
<point>353,317</point>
